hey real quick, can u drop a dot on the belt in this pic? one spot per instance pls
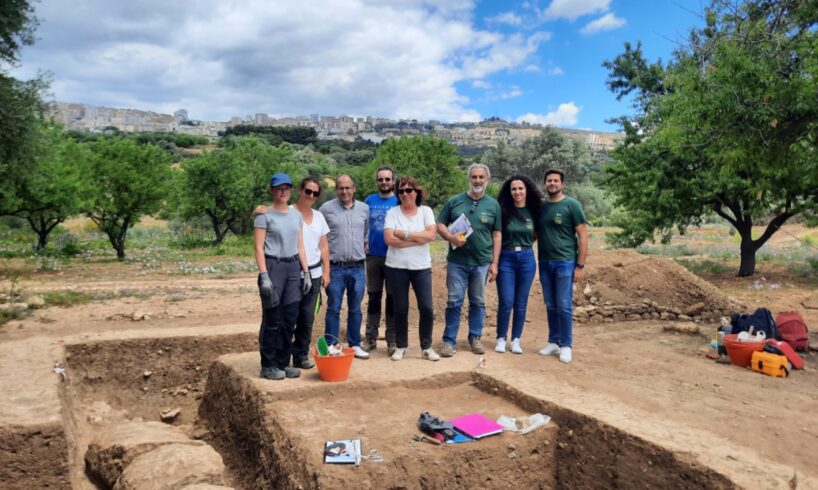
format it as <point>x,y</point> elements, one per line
<point>517,249</point>
<point>351,263</point>
<point>294,258</point>
<point>314,266</point>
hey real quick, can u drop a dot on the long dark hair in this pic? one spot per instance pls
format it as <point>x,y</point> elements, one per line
<point>533,200</point>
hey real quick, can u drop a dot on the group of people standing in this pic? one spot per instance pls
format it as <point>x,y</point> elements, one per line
<point>382,244</point>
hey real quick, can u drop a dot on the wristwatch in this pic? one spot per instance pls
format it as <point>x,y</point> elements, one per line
<point>579,266</point>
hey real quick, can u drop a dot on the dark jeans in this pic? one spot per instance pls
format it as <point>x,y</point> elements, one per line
<point>557,279</point>
<point>397,283</point>
<point>303,327</point>
<point>515,273</point>
<point>275,336</point>
<point>375,276</point>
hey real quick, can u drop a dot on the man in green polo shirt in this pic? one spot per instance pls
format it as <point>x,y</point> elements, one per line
<point>563,247</point>
<point>472,260</point>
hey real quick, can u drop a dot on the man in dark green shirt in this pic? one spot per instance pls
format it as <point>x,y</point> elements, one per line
<point>563,247</point>
<point>472,260</point>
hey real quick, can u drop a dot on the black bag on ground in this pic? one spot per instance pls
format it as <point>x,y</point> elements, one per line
<point>760,320</point>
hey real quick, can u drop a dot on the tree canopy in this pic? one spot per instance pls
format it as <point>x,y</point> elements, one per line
<point>728,126</point>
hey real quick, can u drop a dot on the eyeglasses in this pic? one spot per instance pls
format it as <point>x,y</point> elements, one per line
<point>343,189</point>
<point>311,192</point>
<point>407,190</point>
<point>384,179</point>
<point>473,206</point>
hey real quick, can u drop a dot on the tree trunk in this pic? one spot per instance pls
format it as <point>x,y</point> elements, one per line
<point>42,239</point>
<point>748,250</point>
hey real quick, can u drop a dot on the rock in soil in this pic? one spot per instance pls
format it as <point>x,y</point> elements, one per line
<point>173,466</point>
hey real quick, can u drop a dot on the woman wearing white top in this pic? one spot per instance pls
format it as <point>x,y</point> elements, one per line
<point>316,246</point>
<point>407,230</point>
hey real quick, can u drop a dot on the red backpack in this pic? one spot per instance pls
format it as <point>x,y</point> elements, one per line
<point>793,329</point>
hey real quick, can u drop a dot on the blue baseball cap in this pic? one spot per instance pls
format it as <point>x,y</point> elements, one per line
<point>280,179</point>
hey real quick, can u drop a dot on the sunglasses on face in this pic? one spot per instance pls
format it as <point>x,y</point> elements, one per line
<point>384,179</point>
<point>311,192</point>
<point>407,190</point>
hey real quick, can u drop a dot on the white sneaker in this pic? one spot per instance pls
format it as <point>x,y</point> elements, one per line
<point>550,350</point>
<point>360,353</point>
<point>515,346</point>
<point>430,354</point>
<point>501,346</point>
<point>565,355</point>
<point>398,354</point>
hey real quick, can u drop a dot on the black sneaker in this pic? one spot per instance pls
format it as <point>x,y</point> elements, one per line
<point>272,373</point>
<point>291,372</point>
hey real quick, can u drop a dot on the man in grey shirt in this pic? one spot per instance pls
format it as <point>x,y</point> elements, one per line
<point>348,221</point>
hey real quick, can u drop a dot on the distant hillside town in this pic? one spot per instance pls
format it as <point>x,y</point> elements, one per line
<point>487,133</point>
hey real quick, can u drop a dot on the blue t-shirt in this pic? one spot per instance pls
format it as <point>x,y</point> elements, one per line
<point>378,206</point>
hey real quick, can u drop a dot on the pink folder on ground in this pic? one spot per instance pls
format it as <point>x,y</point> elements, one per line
<point>476,426</point>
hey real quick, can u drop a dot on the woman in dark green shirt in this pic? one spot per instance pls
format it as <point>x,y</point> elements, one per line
<point>521,202</point>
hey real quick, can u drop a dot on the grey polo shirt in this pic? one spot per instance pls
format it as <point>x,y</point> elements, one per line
<point>348,230</point>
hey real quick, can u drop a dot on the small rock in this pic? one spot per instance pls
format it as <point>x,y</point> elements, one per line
<point>170,414</point>
<point>147,374</point>
<point>512,455</point>
<point>695,309</point>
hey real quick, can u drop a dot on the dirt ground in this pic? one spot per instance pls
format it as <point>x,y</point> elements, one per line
<point>649,378</point>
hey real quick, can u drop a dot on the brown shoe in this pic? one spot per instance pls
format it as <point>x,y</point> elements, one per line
<point>448,350</point>
<point>476,345</point>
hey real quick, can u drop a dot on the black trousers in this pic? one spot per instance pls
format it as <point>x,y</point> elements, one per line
<point>303,326</point>
<point>397,284</point>
<point>375,276</point>
<point>275,337</point>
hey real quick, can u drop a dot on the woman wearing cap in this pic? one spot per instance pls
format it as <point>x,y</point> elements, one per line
<point>283,278</point>
<point>521,202</point>
<point>407,230</point>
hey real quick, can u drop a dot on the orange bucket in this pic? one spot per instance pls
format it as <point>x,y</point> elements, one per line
<point>741,353</point>
<point>334,368</point>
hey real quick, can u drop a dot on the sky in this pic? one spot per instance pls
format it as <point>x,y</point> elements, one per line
<point>446,60</point>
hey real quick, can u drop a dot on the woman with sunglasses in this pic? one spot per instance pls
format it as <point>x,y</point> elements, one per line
<point>521,203</point>
<point>316,246</point>
<point>283,278</point>
<point>407,231</point>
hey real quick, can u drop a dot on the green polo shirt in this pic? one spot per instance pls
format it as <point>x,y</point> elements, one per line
<point>485,217</point>
<point>519,232</point>
<point>557,229</point>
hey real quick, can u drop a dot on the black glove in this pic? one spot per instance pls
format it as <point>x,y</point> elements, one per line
<point>265,285</point>
<point>306,282</point>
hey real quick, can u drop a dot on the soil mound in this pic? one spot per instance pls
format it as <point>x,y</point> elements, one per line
<point>625,277</point>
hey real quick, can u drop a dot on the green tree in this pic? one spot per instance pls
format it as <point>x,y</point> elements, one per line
<point>20,101</point>
<point>226,185</point>
<point>129,181</point>
<point>727,127</point>
<point>432,161</point>
<point>53,187</point>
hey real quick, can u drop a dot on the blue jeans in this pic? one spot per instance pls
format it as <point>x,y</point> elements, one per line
<point>515,273</point>
<point>459,278</point>
<point>353,280</point>
<point>557,279</point>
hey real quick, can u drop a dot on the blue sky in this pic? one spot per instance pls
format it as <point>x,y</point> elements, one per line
<point>450,60</point>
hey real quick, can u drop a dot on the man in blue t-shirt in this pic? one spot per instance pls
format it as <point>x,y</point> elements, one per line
<point>379,204</point>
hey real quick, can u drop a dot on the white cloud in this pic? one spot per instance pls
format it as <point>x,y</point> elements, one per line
<point>607,22</point>
<point>532,68</point>
<point>389,58</point>
<point>510,94</point>
<point>565,115</point>
<point>573,9</point>
<point>509,18</point>
<point>481,84</point>
<point>555,71</point>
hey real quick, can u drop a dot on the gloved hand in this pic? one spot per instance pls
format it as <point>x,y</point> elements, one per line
<point>306,282</point>
<point>265,285</point>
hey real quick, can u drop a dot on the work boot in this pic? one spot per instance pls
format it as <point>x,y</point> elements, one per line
<point>476,345</point>
<point>448,350</point>
<point>272,373</point>
<point>369,344</point>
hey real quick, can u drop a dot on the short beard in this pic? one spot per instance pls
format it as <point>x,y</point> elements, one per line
<point>553,193</point>
<point>478,189</point>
